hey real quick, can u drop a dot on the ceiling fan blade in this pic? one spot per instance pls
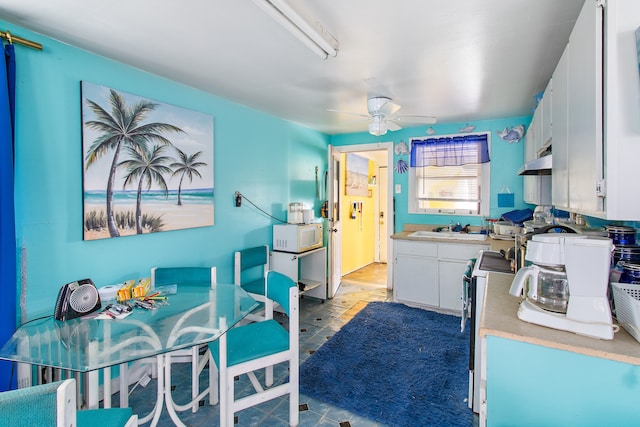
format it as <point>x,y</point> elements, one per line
<point>392,126</point>
<point>349,113</point>
<point>389,107</point>
<point>426,120</point>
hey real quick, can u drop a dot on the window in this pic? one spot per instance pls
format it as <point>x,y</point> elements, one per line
<point>450,175</point>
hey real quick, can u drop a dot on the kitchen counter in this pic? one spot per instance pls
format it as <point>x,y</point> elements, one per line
<point>496,244</point>
<point>499,319</point>
<point>405,235</point>
<point>538,376</point>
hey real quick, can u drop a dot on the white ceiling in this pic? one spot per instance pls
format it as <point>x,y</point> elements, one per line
<point>458,60</point>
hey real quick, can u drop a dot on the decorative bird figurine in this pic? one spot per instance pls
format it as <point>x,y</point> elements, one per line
<point>401,148</point>
<point>468,128</point>
<point>512,135</point>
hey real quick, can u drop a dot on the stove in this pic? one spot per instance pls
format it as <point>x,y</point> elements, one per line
<point>486,261</point>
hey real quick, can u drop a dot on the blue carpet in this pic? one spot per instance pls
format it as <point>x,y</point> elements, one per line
<point>394,364</point>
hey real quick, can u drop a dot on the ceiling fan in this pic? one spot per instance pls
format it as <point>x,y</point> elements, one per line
<point>382,113</point>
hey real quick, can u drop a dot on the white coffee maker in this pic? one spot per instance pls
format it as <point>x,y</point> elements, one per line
<point>567,284</point>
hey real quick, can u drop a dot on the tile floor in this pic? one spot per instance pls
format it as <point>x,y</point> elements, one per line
<point>318,322</point>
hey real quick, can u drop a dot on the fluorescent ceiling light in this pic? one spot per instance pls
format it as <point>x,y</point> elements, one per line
<point>296,25</point>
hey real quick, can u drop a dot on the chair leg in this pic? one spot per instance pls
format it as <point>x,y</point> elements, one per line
<point>294,397</point>
<point>195,378</point>
<point>268,376</point>
<point>213,381</point>
<point>229,401</point>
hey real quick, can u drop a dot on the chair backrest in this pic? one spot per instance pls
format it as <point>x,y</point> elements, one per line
<point>250,264</point>
<point>52,404</point>
<point>180,275</point>
<point>279,288</point>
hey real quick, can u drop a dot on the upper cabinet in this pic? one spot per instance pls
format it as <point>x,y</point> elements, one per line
<point>560,111</point>
<point>595,113</point>
<point>537,189</point>
<point>547,117</point>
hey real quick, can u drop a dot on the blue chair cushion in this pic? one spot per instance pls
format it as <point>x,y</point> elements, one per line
<point>113,417</point>
<point>254,287</point>
<point>252,341</point>
<point>29,407</point>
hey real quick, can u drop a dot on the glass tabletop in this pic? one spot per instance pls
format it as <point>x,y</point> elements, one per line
<point>194,315</point>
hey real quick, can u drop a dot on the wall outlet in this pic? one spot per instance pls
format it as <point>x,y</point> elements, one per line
<point>238,199</point>
<point>398,188</point>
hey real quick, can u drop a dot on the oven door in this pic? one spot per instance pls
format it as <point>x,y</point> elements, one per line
<point>487,261</point>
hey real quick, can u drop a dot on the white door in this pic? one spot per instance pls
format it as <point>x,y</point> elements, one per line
<point>383,214</point>
<point>334,237</point>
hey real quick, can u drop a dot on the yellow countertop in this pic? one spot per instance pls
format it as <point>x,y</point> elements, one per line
<point>499,319</point>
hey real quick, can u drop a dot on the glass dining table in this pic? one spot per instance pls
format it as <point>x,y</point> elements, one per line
<point>194,315</point>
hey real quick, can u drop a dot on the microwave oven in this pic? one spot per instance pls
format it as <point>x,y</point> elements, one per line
<point>297,238</point>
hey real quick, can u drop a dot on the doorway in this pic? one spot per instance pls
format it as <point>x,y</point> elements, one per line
<point>379,199</point>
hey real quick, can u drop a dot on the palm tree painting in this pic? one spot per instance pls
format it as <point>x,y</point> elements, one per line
<point>147,166</point>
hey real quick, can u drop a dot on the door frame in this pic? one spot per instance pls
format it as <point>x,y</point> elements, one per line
<point>378,146</point>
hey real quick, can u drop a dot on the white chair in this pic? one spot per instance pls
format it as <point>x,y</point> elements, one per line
<point>198,356</point>
<point>54,404</point>
<point>249,269</point>
<point>258,345</point>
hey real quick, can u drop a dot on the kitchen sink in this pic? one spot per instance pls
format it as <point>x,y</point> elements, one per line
<point>455,235</point>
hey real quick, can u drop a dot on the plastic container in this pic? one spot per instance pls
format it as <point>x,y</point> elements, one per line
<point>626,298</point>
<point>504,228</point>
<point>295,215</point>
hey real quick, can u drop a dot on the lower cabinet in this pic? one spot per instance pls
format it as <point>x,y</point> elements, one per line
<point>413,280</point>
<point>534,385</point>
<point>429,274</point>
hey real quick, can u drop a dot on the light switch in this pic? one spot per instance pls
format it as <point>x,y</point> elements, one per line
<point>398,188</point>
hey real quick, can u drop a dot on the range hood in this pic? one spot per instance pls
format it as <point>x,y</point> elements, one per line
<point>539,166</point>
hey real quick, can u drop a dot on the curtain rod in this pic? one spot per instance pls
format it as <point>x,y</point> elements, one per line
<point>19,40</point>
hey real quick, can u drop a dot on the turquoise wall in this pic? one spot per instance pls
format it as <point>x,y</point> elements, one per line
<point>271,161</point>
<point>506,158</point>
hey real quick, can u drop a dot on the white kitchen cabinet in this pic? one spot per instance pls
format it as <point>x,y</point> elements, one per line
<point>547,116</point>
<point>538,123</point>
<point>530,141</point>
<point>308,269</point>
<point>603,105</point>
<point>560,111</point>
<point>415,273</point>
<point>429,274</point>
<point>536,189</point>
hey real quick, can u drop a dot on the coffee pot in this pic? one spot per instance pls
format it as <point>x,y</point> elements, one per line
<point>548,286</point>
<point>565,287</point>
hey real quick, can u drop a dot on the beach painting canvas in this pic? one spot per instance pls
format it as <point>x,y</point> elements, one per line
<point>357,175</point>
<point>147,165</point>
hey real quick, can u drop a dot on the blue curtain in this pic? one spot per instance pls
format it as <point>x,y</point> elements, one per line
<point>450,151</point>
<point>7,213</point>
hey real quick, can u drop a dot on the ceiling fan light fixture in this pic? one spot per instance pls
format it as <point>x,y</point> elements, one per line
<point>377,126</point>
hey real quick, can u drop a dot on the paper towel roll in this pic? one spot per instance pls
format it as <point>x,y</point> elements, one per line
<point>108,292</point>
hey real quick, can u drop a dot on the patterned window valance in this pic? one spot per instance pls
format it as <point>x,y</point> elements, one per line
<point>450,151</point>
